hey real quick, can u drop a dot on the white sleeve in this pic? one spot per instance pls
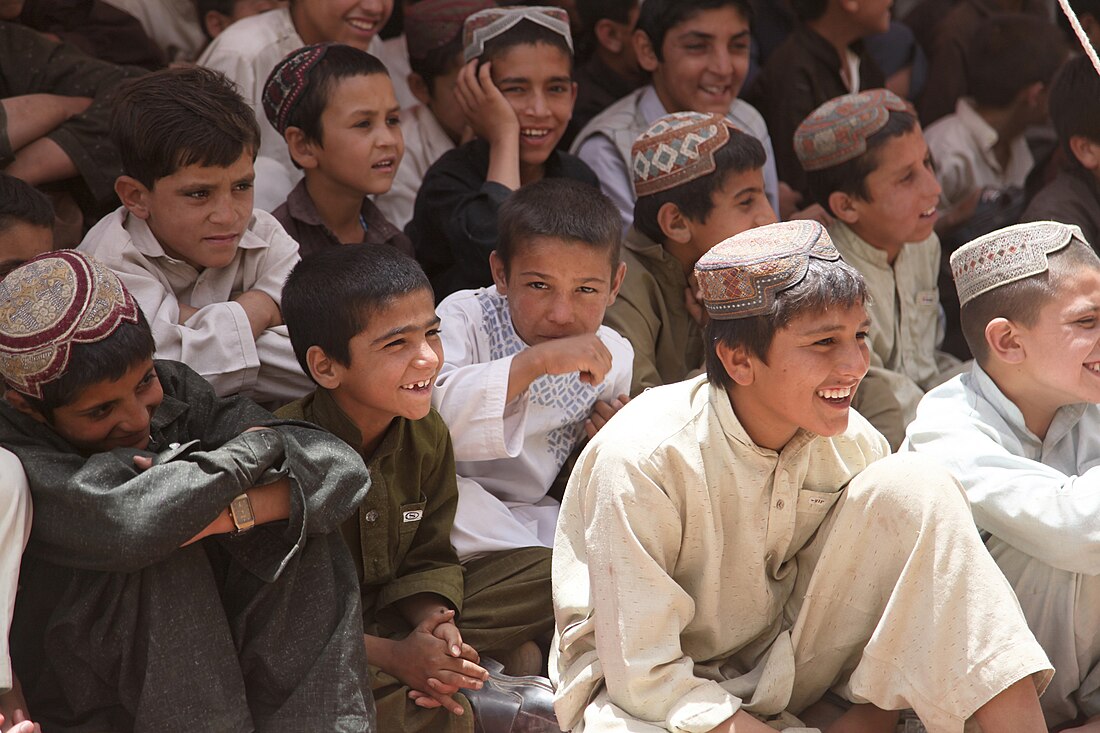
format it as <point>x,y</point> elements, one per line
<point>470,394</point>
<point>1031,506</point>
<point>15,529</point>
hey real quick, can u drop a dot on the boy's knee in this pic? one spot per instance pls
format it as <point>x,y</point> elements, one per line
<point>906,484</point>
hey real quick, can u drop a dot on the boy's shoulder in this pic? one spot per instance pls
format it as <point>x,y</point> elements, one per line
<point>1072,197</point>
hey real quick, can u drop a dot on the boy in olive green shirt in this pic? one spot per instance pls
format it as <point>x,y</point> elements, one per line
<point>363,325</point>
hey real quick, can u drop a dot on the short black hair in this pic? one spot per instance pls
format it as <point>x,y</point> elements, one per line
<point>101,361</point>
<point>524,33</point>
<point>173,118</point>
<point>695,199</point>
<point>560,208</point>
<point>340,61</point>
<point>1075,103</point>
<point>826,285</point>
<point>1007,53</point>
<point>20,202</point>
<point>330,296</point>
<point>202,7</point>
<point>850,177</point>
<point>592,12</point>
<point>657,17</point>
<point>438,62</point>
<point>808,10</point>
<point>1021,301</point>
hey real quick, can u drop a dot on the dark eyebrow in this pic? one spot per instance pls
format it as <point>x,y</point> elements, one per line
<point>514,80</point>
<point>409,328</point>
<point>833,328</point>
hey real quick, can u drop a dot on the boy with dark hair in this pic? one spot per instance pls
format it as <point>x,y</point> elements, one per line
<point>433,33</point>
<point>204,265</point>
<point>712,189</point>
<point>697,53</point>
<point>250,48</point>
<point>517,93</point>
<point>203,581</point>
<point>1019,431</point>
<point>1073,197</point>
<point>364,327</point>
<point>733,547</point>
<point>217,15</point>
<point>26,223</point>
<point>868,165</point>
<point>528,368</point>
<point>822,58</point>
<point>610,68</point>
<point>335,107</point>
<point>1013,58</point>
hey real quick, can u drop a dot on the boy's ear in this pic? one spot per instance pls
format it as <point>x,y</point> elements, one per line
<point>611,35</point>
<point>1003,339</point>
<point>134,196</point>
<point>674,225</point>
<point>302,150</point>
<point>616,282</point>
<point>500,272</point>
<point>19,402</point>
<point>215,22</point>
<point>419,88</point>
<point>643,49</point>
<point>324,370</point>
<point>842,206</point>
<point>737,362</point>
<point>1086,151</point>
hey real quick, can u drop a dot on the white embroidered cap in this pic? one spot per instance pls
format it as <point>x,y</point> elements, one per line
<point>1008,255</point>
<point>486,25</point>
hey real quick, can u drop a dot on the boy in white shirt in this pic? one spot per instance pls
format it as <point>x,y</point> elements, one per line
<point>528,369</point>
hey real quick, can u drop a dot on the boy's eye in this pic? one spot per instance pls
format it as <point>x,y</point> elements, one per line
<point>393,121</point>
<point>739,47</point>
<point>537,285</point>
<point>433,333</point>
<point>363,124</point>
<point>825,342</point>
<point>147,380</point>
<point>197,194</point>
<point>1087,322</point>
<point>862,335</point>
<point>394,343</point>
<point>244,186</point>
<point>586,289</point>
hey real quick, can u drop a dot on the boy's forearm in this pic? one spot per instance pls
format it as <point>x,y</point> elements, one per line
<point>526,368</point>
<point>504,161</point>
<point>380,652</point>
<point>32,116</point>
<point>270,503</point>
<point>42,161</point>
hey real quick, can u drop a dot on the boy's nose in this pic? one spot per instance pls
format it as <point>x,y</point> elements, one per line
<point>538,106</point>
<point>561,312</point>
<point>855,359</point>
<point>721,62</point>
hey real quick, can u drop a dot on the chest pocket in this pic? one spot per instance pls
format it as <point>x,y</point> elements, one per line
<point>812,508</point>
<point>409,517</point>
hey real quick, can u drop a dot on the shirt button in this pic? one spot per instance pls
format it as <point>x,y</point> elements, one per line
<point>371,516</point>
<point>779,504</point>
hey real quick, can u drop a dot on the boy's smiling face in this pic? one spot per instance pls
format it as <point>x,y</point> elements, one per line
<point>704,60</point>
<point>361,144</point>
<point>537,81</point>
<point>354,22</point>
<point>556,288</point>
<point>902,193</point>
<point>199,213</point>
<point>814,366</point>
<point>393,365</point>
<point>108,415</point>
<point>739,205</point>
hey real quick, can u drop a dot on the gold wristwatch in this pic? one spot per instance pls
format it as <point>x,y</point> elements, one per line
<point>240,510</point>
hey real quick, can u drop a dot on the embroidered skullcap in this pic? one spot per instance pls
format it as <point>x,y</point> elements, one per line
<point>837,131</point>
<point>287,81</point>
<point>1008,255</point>
<point>431,24</point>
<point>486,25</point>
<point>50,303</point>
<point>741,276</point>
<point>677,148</point>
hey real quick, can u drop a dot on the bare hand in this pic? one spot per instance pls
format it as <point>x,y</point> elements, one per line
<point>426,664</point>
<point>789,201</point>
<point>602,412</point>
<point>186,311</point>
<point>488,112</point>
<point>19,724</point>
<point>584,354</point>
<point>693,301</point>
<point>814,212</point>
<point>77,105</point>
<point>260,309</point>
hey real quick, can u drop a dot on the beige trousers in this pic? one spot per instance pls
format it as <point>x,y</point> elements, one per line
<point>897,603</point>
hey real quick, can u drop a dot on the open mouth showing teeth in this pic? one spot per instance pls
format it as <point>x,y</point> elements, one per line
<point>1093,366</point>
<point>532,132</point>
<point>836,394</point>
<point>417,385</point>
<point>362,25</point>
<point>714,90</point>
<point>388,163</point>
<point>929,212</point>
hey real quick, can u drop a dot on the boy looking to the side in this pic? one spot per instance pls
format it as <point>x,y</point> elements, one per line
<point>201,580</point>
<point>250,48</point>
<point>697,54</point>
<point>528,369</point>
<point>433,33</point>
<point>205,266</point>
<point>517,91</point>
<point>1020,432</point>
<point>1012,60</point>
<point>867,163</point>
<point>733,547</point>
<point>335,106</point>
<point>364,325</point>
<point>1073,197</point>
<point>26,223</point>
<point>699,180</point>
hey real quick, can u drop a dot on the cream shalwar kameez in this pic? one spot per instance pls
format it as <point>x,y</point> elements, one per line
<point>696,573</point>
<point>15,530</point>
<point>1039,500</point>
<point>217,341</point>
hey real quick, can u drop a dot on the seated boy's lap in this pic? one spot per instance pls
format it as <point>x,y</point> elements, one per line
<point>700,568</point>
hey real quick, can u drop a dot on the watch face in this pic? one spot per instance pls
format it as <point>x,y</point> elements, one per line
<point>241,511</point>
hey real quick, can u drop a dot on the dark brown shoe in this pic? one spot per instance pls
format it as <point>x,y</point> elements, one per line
<point>507,704</point>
